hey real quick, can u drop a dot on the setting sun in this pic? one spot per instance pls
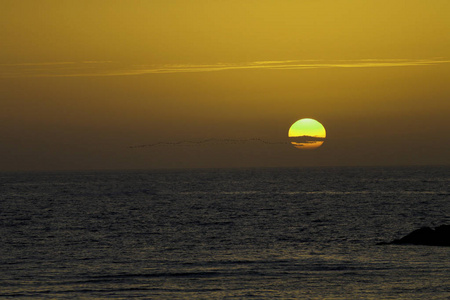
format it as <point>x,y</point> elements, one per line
<point>307,134</point>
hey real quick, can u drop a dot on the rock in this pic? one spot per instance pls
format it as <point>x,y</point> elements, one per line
<point>440,236</point>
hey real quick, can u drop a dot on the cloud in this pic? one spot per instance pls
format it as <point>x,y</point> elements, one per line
<point>53,63</point>
<point>306,139</point>
<point>209,141</point>
<point>109,68</point>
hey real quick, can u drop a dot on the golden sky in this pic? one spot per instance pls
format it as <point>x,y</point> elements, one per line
<point>81,81</point>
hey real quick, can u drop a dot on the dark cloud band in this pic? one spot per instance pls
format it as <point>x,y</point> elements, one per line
<point>210,141</point>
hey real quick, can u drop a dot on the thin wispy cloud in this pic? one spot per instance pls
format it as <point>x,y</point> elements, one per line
<point>37,64</point>
<point>109,68</point>
<point>210,141</point>
<point>54,63</point>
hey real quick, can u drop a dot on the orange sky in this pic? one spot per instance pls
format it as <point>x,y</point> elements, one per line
<point>81,81</point>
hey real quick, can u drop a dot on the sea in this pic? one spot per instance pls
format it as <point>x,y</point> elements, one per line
<point>275,233</point>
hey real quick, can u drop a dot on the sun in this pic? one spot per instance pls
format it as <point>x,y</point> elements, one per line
<point>307,134</point>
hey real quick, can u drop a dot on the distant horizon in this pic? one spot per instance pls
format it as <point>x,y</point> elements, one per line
<point>220,168</point>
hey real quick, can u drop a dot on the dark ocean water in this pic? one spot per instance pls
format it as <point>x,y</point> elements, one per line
<point>255,233</point>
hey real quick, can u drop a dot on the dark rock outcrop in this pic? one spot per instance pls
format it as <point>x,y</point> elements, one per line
<point>440,236</point>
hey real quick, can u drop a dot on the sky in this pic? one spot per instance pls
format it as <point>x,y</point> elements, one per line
<point>84,81</point>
